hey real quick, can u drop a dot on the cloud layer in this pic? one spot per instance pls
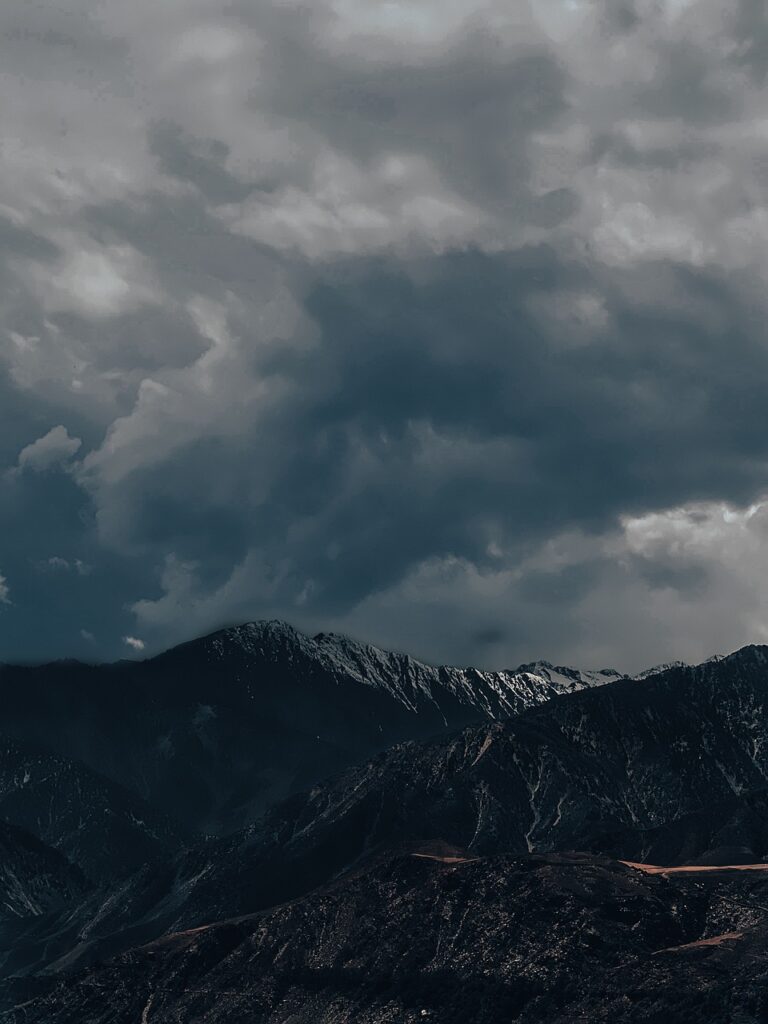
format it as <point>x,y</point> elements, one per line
<point>438,323</point>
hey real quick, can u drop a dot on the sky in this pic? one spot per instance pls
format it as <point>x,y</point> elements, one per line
<point>441,324</point>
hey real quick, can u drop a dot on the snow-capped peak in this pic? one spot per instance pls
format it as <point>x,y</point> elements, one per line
<point>411,682</point>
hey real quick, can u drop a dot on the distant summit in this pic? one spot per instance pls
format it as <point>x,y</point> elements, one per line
<point>409,681</point>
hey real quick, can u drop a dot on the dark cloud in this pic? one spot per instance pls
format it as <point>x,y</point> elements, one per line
<point>435,416</point>
<point>563,587</point>
<point>750,26</point>
<point>689,579</point>
<point>619,15</point>
<point>685,86</point>
<point>199,161</point>
<point>619,148</point>
<point>17,242</point>
<point>440,323</point>
<point>469,108</point>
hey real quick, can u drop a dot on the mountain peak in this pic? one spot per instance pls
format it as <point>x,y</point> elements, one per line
<point>273,628</point>
<point>249,635</point>
<point>280,631</point>
<point>567,677</point>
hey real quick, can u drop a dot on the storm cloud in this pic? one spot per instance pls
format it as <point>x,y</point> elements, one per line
<point>438,323</point>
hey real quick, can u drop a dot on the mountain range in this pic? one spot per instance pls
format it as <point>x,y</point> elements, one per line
<point>263,826</point>
<point>216,730</point>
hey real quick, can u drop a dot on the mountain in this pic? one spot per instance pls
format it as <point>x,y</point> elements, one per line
<point>634,770</point>
<point>102,828</point>
<point>215,731</point>
<point>432,933</point>
<point>573,774</point>
<point>36,885</point>
<point>34,879</point>
<point>506,867</point>
<point>731,831</point>
<point>632,755</point>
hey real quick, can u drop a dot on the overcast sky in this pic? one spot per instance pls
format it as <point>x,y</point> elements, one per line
<point>437,322</point>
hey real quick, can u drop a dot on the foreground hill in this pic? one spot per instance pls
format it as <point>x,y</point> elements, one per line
<point>214,731</point>
<point>435,934</point>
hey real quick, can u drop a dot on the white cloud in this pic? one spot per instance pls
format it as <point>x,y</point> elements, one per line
<point>134,642</point>
<point>684,583</point>
<point>55,564</point>
<point>58,564</point>
<point>52,449</point>
<point>98,282</point>
<point>401,203</point>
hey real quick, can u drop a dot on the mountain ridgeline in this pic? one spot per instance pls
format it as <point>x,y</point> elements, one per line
<point>358,837</point>
<point>218,729</point>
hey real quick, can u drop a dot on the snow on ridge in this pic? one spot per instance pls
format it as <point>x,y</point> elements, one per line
<point>654,670</point>
<point>409,681</point>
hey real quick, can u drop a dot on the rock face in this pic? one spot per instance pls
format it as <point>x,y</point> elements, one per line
<point>215,731</point>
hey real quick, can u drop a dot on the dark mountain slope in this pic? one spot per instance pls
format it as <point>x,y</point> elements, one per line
<point>37,885</point>
<point>627,758</point>
<point>34,879</point>
<point>634,754</point>
<point>100,827</point>
<point>436,936</point>
<point>734,831</point>
<point>216,730</point>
